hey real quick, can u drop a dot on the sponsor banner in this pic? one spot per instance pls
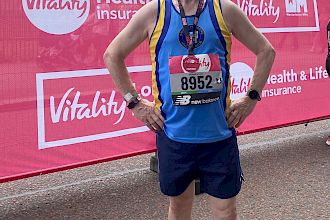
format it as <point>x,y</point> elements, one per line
<point>293,94</point>
<point>64,16</point>
<point>282,16</point>
<point>66,109</point>
<point>59,107</point>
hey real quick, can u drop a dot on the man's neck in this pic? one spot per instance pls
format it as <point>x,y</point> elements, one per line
<point>188,2</point>
<point>190,6</point>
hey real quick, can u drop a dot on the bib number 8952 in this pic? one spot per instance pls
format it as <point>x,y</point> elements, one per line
<point>196,82</point>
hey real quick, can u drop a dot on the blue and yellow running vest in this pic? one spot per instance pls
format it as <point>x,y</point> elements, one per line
<point>190,124</point>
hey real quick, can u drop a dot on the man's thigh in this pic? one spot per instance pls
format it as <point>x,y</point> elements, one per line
<point>219,168</point>
<point>176,165</point>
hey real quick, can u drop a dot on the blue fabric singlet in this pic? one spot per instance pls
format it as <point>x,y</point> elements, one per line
<point>198,123</point>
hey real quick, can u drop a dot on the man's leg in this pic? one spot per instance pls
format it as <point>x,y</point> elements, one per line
<point>181,206</point>
<point>223,209</point>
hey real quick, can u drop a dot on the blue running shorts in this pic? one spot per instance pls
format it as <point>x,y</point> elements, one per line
<point>216,164</point>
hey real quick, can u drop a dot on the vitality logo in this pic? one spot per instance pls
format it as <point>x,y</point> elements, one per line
<point>298,7</point>
<point>271,16</point>
<point>57,16</point>
<point>241,76</point>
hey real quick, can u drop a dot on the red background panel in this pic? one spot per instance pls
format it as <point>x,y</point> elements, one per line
<point>26,53</point>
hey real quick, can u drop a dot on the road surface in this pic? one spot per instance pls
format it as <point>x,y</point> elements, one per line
<point>287,176</point>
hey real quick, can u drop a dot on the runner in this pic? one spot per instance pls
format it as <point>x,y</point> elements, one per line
<point>193,116</point>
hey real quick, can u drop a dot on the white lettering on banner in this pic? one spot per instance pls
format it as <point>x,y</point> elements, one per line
<point>57,5</point>
<point>284,77</point>
<point>73,105</point>
<point>70,110</point>
<point>57,16</point>
<point>296,6</point>
<point>104,12</point>
<point>241,76</point>
<point>318,73</point>
<point>125,2</point>
<point>264,8</point>
<point>281,91</point>
<point>278,15</point>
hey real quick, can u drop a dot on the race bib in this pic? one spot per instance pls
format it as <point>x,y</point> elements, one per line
<point>195,79</point>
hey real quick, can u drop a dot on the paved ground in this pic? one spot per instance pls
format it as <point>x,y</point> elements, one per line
<point>287,176</point>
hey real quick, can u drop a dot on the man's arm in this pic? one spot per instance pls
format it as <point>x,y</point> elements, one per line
<point>138,29</point>
<point>248,35</point>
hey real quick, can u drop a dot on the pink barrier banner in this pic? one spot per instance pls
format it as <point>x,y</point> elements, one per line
<point>59,108</point>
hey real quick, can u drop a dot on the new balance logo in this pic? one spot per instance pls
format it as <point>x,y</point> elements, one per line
<point>296,6</point>
<point>182,100</point>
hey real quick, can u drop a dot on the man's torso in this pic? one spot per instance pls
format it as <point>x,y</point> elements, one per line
<point>197,122</point>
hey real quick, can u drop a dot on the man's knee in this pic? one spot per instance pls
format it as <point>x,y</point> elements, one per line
<point>224,208</point>
<point>181,204</point>
<point>226,212</point>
